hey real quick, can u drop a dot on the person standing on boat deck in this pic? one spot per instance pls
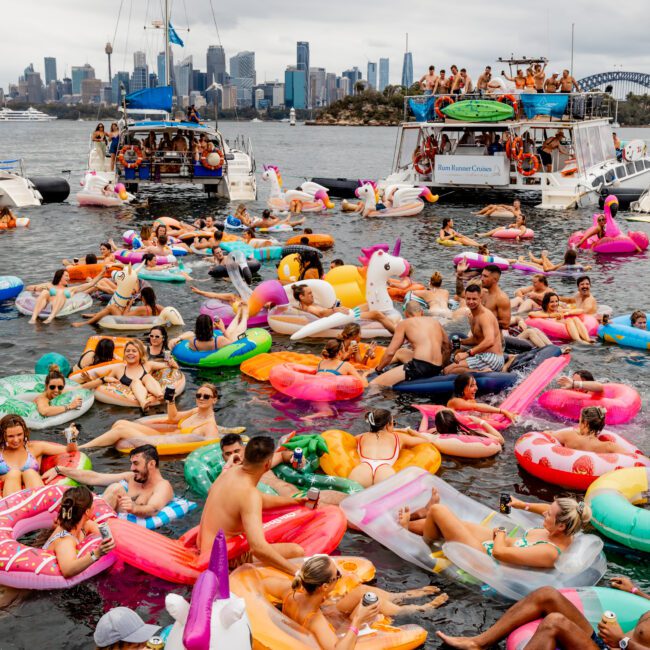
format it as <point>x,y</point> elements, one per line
<point>483,80</point>
<point>179,143</point>
<point>442,87</point>
<point>552,84</point>
<point>193,115</point>
<point>114,136</point>
<point>466,82</point>
<point>519,79</point>
<point>539,75</point>
<point>568,83</point>
<point>550,145</point>
<point>429,81</point>
<point>165,143</point>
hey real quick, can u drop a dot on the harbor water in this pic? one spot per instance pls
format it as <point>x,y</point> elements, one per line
<point>66,619</point>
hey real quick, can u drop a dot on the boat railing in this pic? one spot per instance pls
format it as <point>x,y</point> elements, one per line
<point>15,166</point>
<point>572,106</point>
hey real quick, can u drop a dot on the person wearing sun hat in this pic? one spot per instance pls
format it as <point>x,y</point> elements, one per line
<point>122,628</point>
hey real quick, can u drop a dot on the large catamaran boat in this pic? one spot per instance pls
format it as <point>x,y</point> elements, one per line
<point>497,142</point>
<point>29,115</point>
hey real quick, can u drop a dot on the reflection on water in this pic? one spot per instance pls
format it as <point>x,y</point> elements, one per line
<point>58,619</point>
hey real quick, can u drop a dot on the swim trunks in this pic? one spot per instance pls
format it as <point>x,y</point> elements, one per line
<point>598,641</point>
<point>546,157</point>
<point>486,361</point>
<point>418,369</point>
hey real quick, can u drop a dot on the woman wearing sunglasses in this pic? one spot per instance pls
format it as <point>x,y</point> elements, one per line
<point>54,386</point>
<point>194,425</point>
<point>157,343</point>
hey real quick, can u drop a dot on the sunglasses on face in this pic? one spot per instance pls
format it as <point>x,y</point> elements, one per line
<point>155,336</point>
<point>204,396</point>
<point>55,387</point>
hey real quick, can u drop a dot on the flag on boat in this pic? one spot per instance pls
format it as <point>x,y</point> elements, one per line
<point>159,99</point>
<point>174,38</point>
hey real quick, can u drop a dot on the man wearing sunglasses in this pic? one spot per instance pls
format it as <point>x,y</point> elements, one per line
<point>142,491</point>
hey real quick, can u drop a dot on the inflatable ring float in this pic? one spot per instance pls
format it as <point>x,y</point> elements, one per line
<point>306,383</point>
<point>175,509</point>
<point>619,330</point>
<point>511,100</point>
<point>10,287</point>
<point>315,240</point>
<point>26,301</point>
<point>476,261</point>
<point>513,233</point>
<point>556,329</point>
<point>168,317</point>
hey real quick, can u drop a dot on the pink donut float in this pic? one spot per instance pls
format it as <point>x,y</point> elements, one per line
<point>543,456</point>
<point>27,567</point>
<point>303,382</point>
<point>622,402</point>
<point>557,329</point>
<point>135,256</point>
<point>513,233</point>
<point>476,261</point>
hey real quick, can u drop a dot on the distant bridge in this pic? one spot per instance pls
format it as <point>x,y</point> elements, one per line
<point>622,82</point>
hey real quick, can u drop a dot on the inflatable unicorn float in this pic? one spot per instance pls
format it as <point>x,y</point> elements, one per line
<point>312,196</point>
<point>94,192</point>
<point>361,290</point>
<point>614,241</point>
<point>400,200</point>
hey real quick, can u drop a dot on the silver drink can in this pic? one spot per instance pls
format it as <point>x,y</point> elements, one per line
<point>369,598</point>
<point>104,531</point>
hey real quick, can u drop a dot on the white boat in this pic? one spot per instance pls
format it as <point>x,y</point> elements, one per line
<point>292,117</point>
<point>30,115</point>
<point>447,154</point>
<point>16,190</point>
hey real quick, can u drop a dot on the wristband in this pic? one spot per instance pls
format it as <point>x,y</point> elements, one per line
<point>93,556</point>
<point>354,630</point>
<point>57,470</point>
<point>635,590</point>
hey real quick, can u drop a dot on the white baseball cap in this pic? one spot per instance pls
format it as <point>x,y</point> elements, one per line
<point>122,624</point>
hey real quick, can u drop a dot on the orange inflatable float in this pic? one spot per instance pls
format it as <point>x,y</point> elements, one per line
<point>83,272</point>
<point>398,294</point>
<point>343,456</point>
<point>320,241</point>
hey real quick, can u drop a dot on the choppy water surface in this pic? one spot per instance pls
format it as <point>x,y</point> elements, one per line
<point>66,619</point>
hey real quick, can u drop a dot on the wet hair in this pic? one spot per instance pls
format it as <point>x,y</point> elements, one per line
<point>308,231</point>
<point>231,439</point>
<point>9,421</point>
<point>266,214</point>
<point>573,515</point>
<point>483,250</point>
<point>522,217</point>
<point>435,280</point>
<point>106,244</point>
<point>162,240</point>
<point>447,422</point>
<point>547,299</point>
<point>332,348</point>
<point>158,227</point>
<point>461,382</point>
<point>304,241</point>
<point>310,260</point>
<point>74,503</point>
<point>352,330</point>
<point>91,258</point>
<point>53,372</point>
<point>636,315</point>
<point>148,257</point>
<point>315,572</point>
<point>378,419</point>
<point>585,375</point>
<point>337,262</point>
<point>298,290</point>
<point>145,233</point>
<point>570,256</point>
<point>582,278</point>
<point>165,336</point>
<point>493,268</point>
<point>139,346</point>
<point>250,233</point>
<point>148,297</point>
<point>541,278</point>
<point>149,452</point>
<point>203,328</point>
<point>259,449</point>
<point>446,221</point>
<point>413,307</point>
<point>104,351</point>
<point>594,418</point>
<point>58,274</point>
<point>473,288</point>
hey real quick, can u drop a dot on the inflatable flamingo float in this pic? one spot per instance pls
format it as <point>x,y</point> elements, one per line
<point>404,201</point>
<point>614,241</point>
<point>313,197</point>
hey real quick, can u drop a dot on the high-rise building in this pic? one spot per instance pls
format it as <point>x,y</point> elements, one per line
<point>216,64</point>
<point>183,74</point>
<point>139,60</point>
<point>384,74</point>
<point>353,75</point>
<point>273,92</point>
<point>53,91</point>
<point>302,63</point>
<point>35,92</point>
<point>343,86</point>
<point>407,67</point>
<point>295,88</point>
<point>66,86</point>
<point>242,66</point>
<point>160,66</point>
<point>139,78</point>
<point>119,79</point>
<point>330,88</point>
<point>91,91</point>
<point>199,81</point>
<point>372,75</point>
<point>153,80</point>
<point>79,73</point>
<point>50,69</point>
<point>317,88</point>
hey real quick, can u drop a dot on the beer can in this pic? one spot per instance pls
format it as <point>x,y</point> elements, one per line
<point>155,643</point>
<point>313,494</point>
<point>369,598</point>
<point>504,504</point>
<point>104,530</point>
<point>609,617</point>
<point>296,461</point>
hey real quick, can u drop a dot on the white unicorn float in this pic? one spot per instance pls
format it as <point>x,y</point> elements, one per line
<point>372,281</point>
<point>312,196</point>
<point>99,192</point>
<point>399,200</point>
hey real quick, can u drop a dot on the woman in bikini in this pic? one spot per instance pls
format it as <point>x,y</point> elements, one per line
<point>54,386</point>
<point>519,224</point>
<point>350,351</point>
<point>435,298</point>
<point>55,293</point>
<point>157,343</point>
<point>103,353</point>
<point>552,308</point>
<point>205,339</point>
<point>379,448</point>
<point>501,210</point>
<point>544,263</point>
<point>196,424</point>
<point>447,423</point>
<point>538,548</point>
<point>599,230</point>
<point>20,458</point>
<point>464,399</point>
<point>447,233</point>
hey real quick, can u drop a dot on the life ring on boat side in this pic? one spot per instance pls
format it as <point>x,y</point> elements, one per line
<point>515,148</point>
<point>441,102</point>
<point>534,164</point>
<point>128,161</point>
<point>208,165</point>
<point>421,163</point>
<point>509,99</point>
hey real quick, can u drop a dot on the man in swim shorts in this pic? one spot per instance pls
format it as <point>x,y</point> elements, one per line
<point>235,505</point>
<point>429,80</point>
<point>582,299</point>
<point>563,625</point>
<point>568,83</point>
<point>486,349</point>
<point>142,491</point>
<point>430,348</point>
<point>552,84</point>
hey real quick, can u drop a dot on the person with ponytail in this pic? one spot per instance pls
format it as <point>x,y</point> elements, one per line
<point>538,548</point>
<point>436,298</point>
<point>54,386</point>
<point>585,436</point>
<point>447,422</point>
<point>379,448</point>
<point>313,586</point>
<point>73,524</point>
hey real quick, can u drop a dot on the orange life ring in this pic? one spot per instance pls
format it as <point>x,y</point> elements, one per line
<point>509,99</point>
<point>515,148</point>
<point>441,102</point>
<point>132,164</point>
<point>570,167</point>
<point>206,164</point>
<point>421,163</point>
<point>430,147</point>
<point>534,161</point>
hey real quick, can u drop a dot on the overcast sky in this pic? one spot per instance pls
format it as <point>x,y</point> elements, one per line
<point>341,33</point>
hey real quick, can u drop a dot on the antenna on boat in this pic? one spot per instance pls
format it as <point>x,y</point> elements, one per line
<point>573,25</point>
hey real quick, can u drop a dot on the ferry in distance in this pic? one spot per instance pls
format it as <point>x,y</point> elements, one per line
<point>30,115</point>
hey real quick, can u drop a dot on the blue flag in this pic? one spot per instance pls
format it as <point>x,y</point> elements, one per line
<point>174,37</point>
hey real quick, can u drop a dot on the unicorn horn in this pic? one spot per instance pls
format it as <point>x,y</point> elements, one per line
<point>397,247</point>
<point>219,565</point>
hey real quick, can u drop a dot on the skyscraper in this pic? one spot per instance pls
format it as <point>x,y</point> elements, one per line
<point>183,74</point>
<point>79,73</point>
<point>242,65</point>
<point>160,64</point>
<point>372,75</point>
<point>139,59</point>
<point>302,63</point>
<point>353,75</point>
<point>407,67</point>
<point>216,64</point>
<point>295,88</point>
<point>119,79</point>
<point>317,86</point>
<point>50,69</point>
<point>384,74</point>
